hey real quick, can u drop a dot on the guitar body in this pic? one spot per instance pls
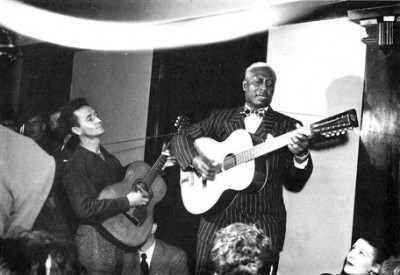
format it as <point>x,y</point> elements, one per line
<point>210,197</point>
<point>133,229</point>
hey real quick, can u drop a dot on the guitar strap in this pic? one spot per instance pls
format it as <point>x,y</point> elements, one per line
<point>109,237</point>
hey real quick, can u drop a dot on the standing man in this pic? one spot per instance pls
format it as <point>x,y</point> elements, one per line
<point>156,257</point>
<point>290,166</point>
<point>89,170</point>
<point>67,143</point>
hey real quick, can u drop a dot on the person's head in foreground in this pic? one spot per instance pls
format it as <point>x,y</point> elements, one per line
<point>364,258</point>
<point>391,266</point>
<point>242,249</point>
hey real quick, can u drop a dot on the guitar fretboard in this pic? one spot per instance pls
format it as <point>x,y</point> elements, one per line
<point>266,147</point>
<point>154,172</point>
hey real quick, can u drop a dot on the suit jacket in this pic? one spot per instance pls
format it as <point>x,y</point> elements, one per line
<point>166,260</point>
<point>264,208</point>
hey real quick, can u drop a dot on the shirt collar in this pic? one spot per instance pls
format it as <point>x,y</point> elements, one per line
<point>149,253</point>
<point>247,106</point>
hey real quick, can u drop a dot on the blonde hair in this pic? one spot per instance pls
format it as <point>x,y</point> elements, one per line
<point>390,267</point>
<point>241,248</point>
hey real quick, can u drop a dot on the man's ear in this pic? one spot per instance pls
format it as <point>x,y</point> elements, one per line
<point>154,228</point>
<point>244,85</point>
<point>76,130</point>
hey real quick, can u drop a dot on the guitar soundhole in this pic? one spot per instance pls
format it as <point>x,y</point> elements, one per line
<point>229,161</point>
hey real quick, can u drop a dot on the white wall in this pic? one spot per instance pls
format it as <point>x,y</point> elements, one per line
<point>117,85</point>
<point>320,70</point>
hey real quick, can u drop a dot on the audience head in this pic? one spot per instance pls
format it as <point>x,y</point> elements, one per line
<point>150,238</point>
<point>57,126</point>
<point>390,266</point>
<point>38,252</point>
<point>365,257</point>
<point>35,124</point>
<point>54,118</point>
<point>242,249</point>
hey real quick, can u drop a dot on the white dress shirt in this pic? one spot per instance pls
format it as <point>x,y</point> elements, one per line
<point>149,253</point>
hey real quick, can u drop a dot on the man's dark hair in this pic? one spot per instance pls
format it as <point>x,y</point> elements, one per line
<point>67,118</point>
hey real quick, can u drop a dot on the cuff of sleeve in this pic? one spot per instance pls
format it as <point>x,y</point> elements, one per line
<point>123,203</point>
<point>302,158</point>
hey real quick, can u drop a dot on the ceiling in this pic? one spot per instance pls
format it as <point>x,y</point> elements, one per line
<point>170,10</point>
<point>165,12</point>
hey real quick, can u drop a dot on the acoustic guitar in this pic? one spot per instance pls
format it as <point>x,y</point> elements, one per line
<point>241,171</point>
<point>131,228</point>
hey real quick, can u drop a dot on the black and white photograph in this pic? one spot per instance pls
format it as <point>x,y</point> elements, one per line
<point>199,137</point>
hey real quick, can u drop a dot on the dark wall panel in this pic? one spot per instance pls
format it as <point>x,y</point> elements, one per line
<point>46,76</point>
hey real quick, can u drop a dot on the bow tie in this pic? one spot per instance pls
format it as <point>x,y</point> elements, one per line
<point>247,111</point>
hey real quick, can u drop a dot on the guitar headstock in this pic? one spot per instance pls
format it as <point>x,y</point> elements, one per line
<point>336,125</point>
<point>181,122</point>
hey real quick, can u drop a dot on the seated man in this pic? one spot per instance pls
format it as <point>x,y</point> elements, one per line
<point>242,249</point>
<point>156,257</point>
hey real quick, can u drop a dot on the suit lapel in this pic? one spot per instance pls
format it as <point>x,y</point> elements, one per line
<point>131,263</point>
<point>235,121</point>
<point>157,259</point>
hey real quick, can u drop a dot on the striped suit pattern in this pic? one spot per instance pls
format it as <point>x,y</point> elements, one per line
<point>265,208</point>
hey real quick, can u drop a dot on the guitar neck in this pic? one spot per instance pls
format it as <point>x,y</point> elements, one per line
<point>269,146</point>
<point>154,171</point>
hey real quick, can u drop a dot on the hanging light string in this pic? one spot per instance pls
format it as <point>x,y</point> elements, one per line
<point>139,139</point>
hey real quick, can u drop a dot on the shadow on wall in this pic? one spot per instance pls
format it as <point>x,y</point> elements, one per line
<point>376,201</point>
<point>341,95</point>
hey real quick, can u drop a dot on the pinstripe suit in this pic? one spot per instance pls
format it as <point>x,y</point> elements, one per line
<point>265,208</point>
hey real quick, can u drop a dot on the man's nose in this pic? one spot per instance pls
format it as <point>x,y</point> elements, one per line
<point>263,86</point>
